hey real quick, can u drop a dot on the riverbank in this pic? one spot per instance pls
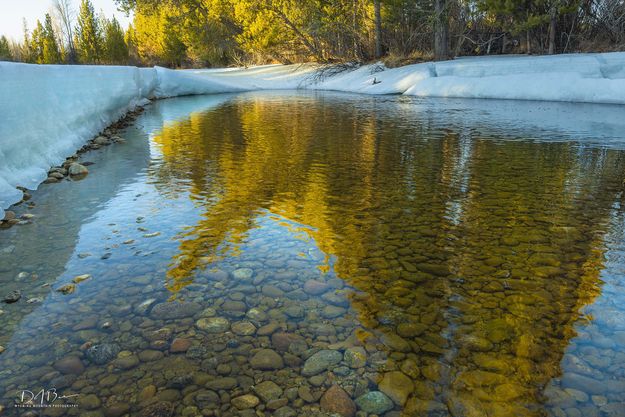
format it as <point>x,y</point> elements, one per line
<point>54,109</point>
<point>74,168</point>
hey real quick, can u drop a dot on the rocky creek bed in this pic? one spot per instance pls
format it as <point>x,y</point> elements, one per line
<point>269,256</point>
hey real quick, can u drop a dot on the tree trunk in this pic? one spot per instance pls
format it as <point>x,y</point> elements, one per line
<point>552,30</point>
<point>441,31</point>
<point>355,28</point>
<point>529,42</point>
<point>378,28</point>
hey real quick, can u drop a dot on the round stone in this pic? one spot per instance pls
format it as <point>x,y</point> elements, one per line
<point>245,401</point>
<point>397,386</point>
<point>314,287</point>
<point>213,324</point>
<point>102,353</point>
<point>337,401</point>
<point>126,362</point>
<point>70,365</point>
<point>268,391</point>
<point>331,312</point>
<point>180,345</point>
<point>267,359</point>
<point>243,328</point>
<point>243,274</point>
<point>89,402</point>
<point>174,310</point>
<point>77,169</point>
<point>321,361</point>
<point>355,357</point>
<point>411,329</point>
<point>374,402</point>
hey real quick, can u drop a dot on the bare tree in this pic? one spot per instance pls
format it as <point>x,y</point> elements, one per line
<point>65,13</point>
<point>441,30</point>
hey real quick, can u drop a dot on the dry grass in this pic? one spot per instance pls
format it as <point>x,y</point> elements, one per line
<point>394,60</point>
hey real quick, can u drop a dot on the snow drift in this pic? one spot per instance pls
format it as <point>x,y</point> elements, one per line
<point>48,111</point>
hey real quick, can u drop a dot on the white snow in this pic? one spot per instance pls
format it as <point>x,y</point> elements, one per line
<point>48,111</point>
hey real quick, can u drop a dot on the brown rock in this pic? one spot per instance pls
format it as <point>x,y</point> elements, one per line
<point>116,410</point>
<point>9,215</point>
<point>336,400</point>
<point>70,365</point>
<point>180,345</point>
<point>266,359</point>
<point>281,341</point>
<point>245,401</point>
<point>397,386</point>
<point>275,404</point>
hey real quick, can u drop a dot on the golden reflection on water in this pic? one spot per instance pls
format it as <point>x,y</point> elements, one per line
<point>484,250</point>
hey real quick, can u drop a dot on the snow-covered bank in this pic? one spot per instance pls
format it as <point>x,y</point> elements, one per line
<point>47,112</point>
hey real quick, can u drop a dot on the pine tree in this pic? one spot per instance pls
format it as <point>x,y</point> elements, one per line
<point>50,53</point>
<point>88,34</point>
<point>131,43</point>
<point>36,44</point>
<point>115,48</point>
<point>5,51</point>
<point>174,50</point>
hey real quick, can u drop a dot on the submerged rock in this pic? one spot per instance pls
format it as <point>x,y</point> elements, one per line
<point>67,289</point>
<point>180,345</point>
<point>355,357</point>
<point>374,402</point>
<point>162,409</point>
<point>174,310</point>
<point>397,386</point>
<point>69,365</point>
<point>268,391</point>
<point>213,324</point>
<point>243,328</point>
<point>321,361</point>
<point>102,353</point>
<point>337,401</point>
<point>314,287</point>
<point>267,359</point>
<point>12,297</point>
<point>243,274</point>
<point>245,401</point>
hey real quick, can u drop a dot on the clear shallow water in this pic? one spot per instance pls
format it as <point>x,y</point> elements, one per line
<point>460,266</point>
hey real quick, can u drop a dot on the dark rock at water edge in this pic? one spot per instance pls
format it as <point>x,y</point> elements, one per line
<point>12,297</point>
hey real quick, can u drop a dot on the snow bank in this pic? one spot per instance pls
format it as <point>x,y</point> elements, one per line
<point>48,111</point>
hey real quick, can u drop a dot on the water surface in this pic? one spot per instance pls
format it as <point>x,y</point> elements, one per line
<point>464,258</point>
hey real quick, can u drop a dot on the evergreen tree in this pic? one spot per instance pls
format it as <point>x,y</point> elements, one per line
<point>115,48</point>
<point>50,53</point>
<point>131,43</point>
<point>88,34</point>
<point>174,50</point>
<point>5,51</point>
<point>37,43</point>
